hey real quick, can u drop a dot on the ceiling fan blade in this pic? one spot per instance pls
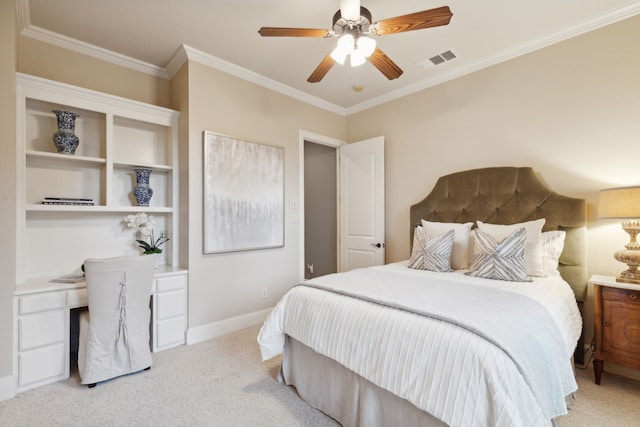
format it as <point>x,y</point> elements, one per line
<point>292,32</point>
<point>414,21</point>
<point>321,70</point>
<point>350,9</point>
<point>385,65</point>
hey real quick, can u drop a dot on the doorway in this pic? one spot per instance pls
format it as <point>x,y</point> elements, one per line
<point>320,209</point>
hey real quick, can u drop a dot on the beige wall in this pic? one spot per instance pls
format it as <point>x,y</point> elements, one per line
<point>180,102</point>
<point>55,63</point>
<point>571,111</point>
<point>222,286</point>
<point>8,53</point>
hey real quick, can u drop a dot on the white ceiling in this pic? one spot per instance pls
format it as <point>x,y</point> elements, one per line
<point>147,34</point>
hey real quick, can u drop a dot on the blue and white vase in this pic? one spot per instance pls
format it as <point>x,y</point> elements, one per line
<point>142,192</point>
<point>64,139</point>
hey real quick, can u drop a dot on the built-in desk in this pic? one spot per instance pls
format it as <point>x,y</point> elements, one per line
<point>42,323</point>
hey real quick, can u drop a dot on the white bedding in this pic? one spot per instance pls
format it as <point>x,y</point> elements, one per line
<point>442,368</point>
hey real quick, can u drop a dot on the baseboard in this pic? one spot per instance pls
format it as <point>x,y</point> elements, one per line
<point>7,387</point>
<point>226,326</point>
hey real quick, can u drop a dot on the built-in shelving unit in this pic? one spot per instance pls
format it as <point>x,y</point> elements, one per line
<point>116,135</point>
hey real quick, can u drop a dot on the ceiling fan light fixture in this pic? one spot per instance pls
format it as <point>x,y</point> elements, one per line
<point>353,24</point>
<point>366,45</point>
<point>345,46</point>
<point>346,43</point>
<point>339,55</point>
<point>350,10</point>
<point>357,58</point>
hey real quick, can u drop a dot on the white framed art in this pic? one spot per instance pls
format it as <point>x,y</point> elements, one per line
<point>243,195</point>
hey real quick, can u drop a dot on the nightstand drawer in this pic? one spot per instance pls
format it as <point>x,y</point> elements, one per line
<point>621,329</point>
<point>629,296</point>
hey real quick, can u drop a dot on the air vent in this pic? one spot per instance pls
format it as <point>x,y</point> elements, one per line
<point>443,57</point>
<point>448,55</point>
<point>438,59</point>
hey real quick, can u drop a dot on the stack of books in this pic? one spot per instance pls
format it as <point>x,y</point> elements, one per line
<point>67,201</point>
<point>69,278</point>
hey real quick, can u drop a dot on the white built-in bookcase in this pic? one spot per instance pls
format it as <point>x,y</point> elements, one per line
<point>116,134</point>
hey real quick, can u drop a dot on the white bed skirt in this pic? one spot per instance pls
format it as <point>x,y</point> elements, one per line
<point>343,395</point>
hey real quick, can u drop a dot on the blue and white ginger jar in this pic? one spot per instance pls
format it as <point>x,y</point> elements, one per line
<point>64,139</point>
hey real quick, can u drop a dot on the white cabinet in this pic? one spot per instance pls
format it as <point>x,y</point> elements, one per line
<point>169,311</point>
<point>116,135</point>
<point>43,332</point>
<point>42,338</point>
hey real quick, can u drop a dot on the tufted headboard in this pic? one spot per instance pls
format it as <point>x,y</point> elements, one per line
<point>509,195</point>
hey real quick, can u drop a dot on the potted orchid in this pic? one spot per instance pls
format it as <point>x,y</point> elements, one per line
<point>144,224</point>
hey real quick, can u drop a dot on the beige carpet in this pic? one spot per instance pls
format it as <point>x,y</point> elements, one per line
<point>222,382</point>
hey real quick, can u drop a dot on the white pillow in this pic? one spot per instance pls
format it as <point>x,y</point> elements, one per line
<point>532,249</point>
<point>552,243</point>
<point>460,255</point>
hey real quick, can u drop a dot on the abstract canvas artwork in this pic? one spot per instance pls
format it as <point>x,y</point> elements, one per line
<point>243,195</point>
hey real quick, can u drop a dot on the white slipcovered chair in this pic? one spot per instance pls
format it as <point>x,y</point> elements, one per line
<point>114,332</point>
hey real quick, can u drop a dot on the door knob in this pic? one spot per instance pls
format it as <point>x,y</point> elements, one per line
<point>378,245</point>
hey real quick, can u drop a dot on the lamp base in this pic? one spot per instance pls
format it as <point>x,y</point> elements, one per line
<point>632,259</point>
<point>623,278</point>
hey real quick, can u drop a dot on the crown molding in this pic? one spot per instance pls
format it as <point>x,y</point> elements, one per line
<point>585,27</point>
<point>176,62</point>
<point>23,12</point>
<point>182,55</point>
<point>186,52</point>
<point>87,49</point>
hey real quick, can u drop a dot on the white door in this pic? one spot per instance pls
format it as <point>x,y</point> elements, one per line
<point>362,204</point>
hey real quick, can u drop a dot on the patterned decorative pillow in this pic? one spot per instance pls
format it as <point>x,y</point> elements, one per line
<point>501,260</point>
<point>532,249</point>
<point>431,253</point>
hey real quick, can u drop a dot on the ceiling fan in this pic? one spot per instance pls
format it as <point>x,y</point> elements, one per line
<point>354,27</point>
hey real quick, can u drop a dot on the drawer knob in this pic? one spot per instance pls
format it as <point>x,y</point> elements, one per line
<point>633,296</point>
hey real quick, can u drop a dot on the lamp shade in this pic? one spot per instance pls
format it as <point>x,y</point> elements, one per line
<point>357,58</point>
<point>619,203</point>
<point>366,45</point>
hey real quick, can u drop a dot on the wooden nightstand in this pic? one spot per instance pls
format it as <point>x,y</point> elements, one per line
<point>617,323</point>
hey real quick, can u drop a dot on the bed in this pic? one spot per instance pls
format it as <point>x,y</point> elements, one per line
<point>486,339</point>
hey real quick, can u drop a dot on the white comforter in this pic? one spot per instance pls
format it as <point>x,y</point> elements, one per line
<point>457,375</point>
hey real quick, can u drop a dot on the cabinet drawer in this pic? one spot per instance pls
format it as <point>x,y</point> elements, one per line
<point>42,364</point>
<point>164,284</point>
<point>171,332</point>
<point>622,295</point>
<point>42,329</point>
<point>170,304</point>
<point>42,302</point>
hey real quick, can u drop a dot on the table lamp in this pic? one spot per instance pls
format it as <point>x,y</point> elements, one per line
<point>624,203</point>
